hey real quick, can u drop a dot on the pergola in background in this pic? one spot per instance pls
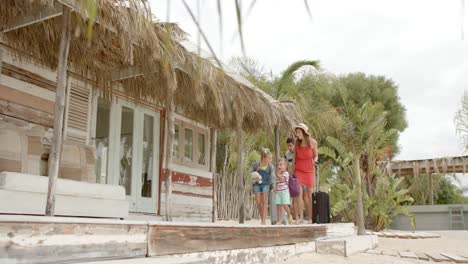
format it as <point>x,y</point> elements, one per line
<point>445,165</point>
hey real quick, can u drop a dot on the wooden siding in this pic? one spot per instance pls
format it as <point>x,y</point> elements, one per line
<point>27,76</point>
<point>211,238</point>
<point>192,196</point>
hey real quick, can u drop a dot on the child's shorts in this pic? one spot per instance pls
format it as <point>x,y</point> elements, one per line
<point>283,197</point>
<point>257,188</point>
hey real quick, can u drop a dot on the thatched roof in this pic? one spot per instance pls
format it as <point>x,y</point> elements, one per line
<point>126,36</point>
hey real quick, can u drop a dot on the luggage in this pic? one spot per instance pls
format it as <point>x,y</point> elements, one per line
<point>320,203</point>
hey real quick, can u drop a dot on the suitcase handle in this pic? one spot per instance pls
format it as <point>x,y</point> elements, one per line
<point>317,177</point>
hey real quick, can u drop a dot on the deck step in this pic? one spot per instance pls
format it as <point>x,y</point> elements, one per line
<point>437,257</point>
<point>407,254</point>
<point>422,256</point>
<point>153,260</point>
<point>346,246</point>
<point>455,257</point>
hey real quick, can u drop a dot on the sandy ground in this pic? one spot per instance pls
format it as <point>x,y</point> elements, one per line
<point>450,242</point>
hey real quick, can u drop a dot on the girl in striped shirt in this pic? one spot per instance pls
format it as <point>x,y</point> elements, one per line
<point>283,200</point>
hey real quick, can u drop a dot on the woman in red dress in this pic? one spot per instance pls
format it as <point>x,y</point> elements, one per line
<point>306,156</point>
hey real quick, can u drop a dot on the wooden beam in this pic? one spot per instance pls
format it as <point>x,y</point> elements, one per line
<point>126,73</point>
<point>48,12</point>
<point>54,158</point>
<point>1,62</point>
<point>274,215</point>
<point>169,150</point>
<point>213,137</point>
<point>240,173</point>
<point>77,5</point>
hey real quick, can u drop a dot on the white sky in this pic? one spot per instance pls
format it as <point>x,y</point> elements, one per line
<point>416,43</point>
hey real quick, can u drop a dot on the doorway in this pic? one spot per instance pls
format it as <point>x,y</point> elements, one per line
<point>127,147</point>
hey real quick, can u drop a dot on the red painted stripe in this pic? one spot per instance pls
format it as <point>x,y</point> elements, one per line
<point>193,194</point>
<point>178,177</point>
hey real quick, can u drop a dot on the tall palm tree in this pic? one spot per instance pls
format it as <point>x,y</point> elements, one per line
<point>363,133</point>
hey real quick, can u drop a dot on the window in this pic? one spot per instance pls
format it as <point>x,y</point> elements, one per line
<point>190,145</point>
<point>102,140</point>
<point>201,149</point>
<point>175,151</point>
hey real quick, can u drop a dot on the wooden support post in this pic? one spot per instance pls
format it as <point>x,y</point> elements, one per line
<point>431,190</point>
<point>169,150</point>
<point>213,142</point>
<point>240,174</point>
<point>1,60</point>
<point>275,216</point>
<point>54,158</point>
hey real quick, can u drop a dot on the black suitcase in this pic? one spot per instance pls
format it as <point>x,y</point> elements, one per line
<point>320,203</point>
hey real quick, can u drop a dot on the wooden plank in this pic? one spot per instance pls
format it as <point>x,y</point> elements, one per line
<point>401,235</point>
<point>422,256</point>
<point>38,184</point>
<point>389,234</point>
<point>175,239</point>
<point>183,178</point>
<point>392,253</point>
<point>455,257</point>
<point>25,99</point>
<point>31,203</point>
<point>437,257</point>
<point>46,13</point>
<point>35,242</point>
<point>25,113</point>
<point>407,254</point>
<point>374,251</point>
<point>27,76</point>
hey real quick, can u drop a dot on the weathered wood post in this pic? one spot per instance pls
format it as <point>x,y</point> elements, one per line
<point>1,60</point>
<point>169,151</point>
<point>275,216</point>
<point>213,138</point>
<point>59,111</point>
<point>431,190</point>
<point>240,173</point>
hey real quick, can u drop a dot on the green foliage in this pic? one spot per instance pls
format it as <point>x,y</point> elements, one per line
<point>461,119</point>
<point>445,191</point>
<point>388,201</point>
<point>448,193</point>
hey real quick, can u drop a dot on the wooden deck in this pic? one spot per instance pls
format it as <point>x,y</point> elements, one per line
<point>36,239</point>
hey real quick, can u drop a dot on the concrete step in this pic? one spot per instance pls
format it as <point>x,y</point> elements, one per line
<point>346,246</point>
<point>152,260</point>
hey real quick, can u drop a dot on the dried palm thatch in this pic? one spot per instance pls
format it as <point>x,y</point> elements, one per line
<point>124,36</point>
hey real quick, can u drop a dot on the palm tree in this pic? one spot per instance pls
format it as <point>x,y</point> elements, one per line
<point>361,138</point>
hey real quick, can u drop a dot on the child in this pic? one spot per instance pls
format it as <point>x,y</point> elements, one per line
<point>283,200</point>
<point>261,185</point>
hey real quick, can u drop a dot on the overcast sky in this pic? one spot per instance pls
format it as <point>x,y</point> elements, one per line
<point>416,43</point>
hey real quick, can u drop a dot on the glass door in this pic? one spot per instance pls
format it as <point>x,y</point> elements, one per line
<point>126,145</point>
<point>148,169</point>
<point>130,150</point>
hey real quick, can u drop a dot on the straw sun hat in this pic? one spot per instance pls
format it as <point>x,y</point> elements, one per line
<point>303,127</point>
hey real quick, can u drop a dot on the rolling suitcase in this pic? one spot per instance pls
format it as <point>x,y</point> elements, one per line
<point>320,202</point>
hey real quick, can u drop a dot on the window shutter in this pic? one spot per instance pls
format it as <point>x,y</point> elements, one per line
<point>78,112</point>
